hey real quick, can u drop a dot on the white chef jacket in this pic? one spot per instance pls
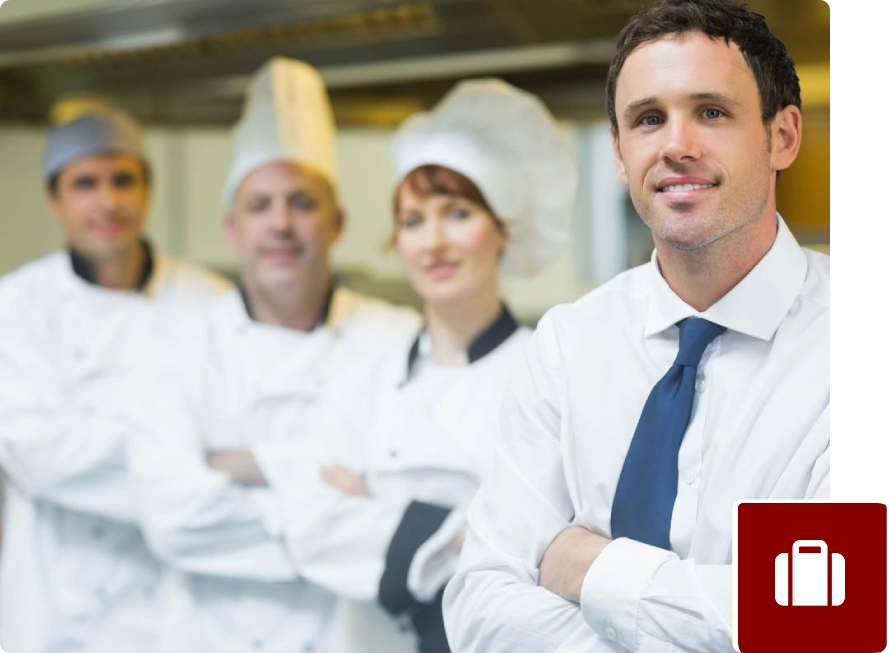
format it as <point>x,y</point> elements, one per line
<point>422,435</point>
<point>75,575</point>
<point>228,382</point>
<point>759,430</point>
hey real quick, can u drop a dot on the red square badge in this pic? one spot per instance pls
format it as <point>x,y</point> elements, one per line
<point>810,576</point>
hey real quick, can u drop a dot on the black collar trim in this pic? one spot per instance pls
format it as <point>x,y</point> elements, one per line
<point>325,307</point>
<point>489,339</point>
<point>82,269</point>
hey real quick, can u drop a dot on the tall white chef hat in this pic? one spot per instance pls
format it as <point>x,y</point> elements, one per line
<point>287,117</point>
<point>507,143</point>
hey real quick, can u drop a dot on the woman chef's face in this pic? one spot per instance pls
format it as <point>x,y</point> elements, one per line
<point>451,245</point>
<point>283,223</point>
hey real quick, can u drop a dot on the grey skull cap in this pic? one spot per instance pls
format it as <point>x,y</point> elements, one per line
<point>110,132</point>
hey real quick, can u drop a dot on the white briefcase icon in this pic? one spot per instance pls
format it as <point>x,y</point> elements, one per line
<point>810,575</point>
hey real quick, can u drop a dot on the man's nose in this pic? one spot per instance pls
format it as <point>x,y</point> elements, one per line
<point>681,141</point>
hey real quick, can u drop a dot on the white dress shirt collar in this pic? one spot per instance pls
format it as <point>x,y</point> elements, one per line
<point>755,306</point>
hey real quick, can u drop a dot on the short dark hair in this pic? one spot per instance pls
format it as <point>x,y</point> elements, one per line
<point>767,56</point>
<point>52,184</point>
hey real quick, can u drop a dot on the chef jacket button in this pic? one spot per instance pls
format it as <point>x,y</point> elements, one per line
<point>79,354</point>
<point>610,633</point>
<point>308,647</point>
<point>257,643</point>
<point>393,453</point>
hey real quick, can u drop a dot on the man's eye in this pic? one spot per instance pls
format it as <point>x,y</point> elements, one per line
<point>650,120</point>
<point>303,203</point>
<point>84,183</point>
<point>713,113</point>
<point>459,213</point>
<point>124,180</point>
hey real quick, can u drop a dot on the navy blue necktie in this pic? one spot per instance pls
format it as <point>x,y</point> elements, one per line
<point>646,490</point>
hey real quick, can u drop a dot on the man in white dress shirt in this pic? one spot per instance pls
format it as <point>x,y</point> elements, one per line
<point>646,409</point>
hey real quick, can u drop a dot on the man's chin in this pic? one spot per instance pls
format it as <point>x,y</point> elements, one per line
<point>282,278</point>
<point>685,235</point>
<point>104,251</point>
<point>685,244</point>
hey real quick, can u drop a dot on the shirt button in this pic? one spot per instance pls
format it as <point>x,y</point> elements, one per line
<point>393,453</point>
<point>700,385</point>
<point>691,479</point>
<point>610,633</point>
<point>308,648</point>
<point>257,644</point>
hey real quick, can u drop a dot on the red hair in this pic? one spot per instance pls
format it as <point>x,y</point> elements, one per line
<point>430,180</point>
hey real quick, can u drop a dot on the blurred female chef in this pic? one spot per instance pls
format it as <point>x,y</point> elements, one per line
<point>485,183</point>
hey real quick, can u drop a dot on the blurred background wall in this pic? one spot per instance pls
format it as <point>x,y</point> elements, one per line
<point>181,67</point>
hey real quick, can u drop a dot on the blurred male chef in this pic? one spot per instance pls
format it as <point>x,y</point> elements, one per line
<point>247,371</point>
<point>75,574</point>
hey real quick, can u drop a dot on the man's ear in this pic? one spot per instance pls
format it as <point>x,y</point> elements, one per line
<point>618,159</point>
<point>339,222</point>
<point>786,132</point>
<point>230,227</point>
<point>54,204</point>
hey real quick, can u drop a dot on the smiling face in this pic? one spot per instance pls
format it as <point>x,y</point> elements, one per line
<point>692,147</point>
<point>101,203</point>
<point>283,223</point>
<point>450,244</point>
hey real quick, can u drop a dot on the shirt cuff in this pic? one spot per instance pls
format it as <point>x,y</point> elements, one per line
<point>614,585</point>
